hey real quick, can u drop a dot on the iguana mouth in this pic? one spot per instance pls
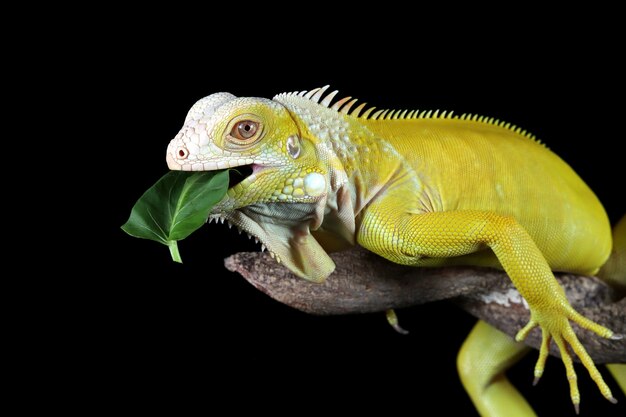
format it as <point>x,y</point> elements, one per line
<point>238,174</point>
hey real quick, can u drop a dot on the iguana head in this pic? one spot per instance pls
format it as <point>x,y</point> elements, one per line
<point>284,195</point>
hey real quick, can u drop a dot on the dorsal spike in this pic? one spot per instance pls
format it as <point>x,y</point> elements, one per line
<point>345,109</point>
<point>346,104</point>
<point>329,98</point>
<point>367,112</point>
<point>355,112</point>
<point>378,113</point>
<point>340,103</point>
<point>316,97</point>
<point>311,93</point>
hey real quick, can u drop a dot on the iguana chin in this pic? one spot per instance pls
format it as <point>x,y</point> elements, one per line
<point>418,188</point>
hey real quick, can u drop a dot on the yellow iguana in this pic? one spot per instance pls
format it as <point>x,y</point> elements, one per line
<point>418,188</point>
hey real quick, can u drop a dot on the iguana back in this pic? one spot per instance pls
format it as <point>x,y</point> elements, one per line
<point>476,165</point>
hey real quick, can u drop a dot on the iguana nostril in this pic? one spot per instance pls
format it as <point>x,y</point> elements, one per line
<point>182,153</point>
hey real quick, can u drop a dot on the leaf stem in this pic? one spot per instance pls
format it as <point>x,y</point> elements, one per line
<point>173,245</point>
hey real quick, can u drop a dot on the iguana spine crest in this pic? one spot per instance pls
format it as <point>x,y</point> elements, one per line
<point>345,104</point>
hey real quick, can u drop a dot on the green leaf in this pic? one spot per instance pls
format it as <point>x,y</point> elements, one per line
<point>175,206</point>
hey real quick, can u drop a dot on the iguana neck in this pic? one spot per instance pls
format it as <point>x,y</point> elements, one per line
<point>356,160</point>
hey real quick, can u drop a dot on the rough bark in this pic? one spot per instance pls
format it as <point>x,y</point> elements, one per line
<point>365,283</point>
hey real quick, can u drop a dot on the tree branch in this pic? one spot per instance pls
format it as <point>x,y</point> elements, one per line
<point>365,283</point>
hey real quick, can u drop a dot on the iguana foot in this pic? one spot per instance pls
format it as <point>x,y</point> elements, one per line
<point>555,326</point>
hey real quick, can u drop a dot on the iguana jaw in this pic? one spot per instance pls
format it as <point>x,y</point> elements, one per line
<point>251,228</point>
<point>249,169</point>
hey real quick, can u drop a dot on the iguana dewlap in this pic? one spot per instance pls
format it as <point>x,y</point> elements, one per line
<point>418,188</point>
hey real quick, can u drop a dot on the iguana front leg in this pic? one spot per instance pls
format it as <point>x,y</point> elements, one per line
<point>411,239</point>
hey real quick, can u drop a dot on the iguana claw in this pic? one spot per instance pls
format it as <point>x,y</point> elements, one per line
<point>392,318</point>
<point>555,326</point>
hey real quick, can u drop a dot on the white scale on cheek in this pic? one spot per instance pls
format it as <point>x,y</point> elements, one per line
<point>203,137</point>
<point>314,184</point>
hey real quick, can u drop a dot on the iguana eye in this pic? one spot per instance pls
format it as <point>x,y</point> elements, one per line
<point>245,130</point>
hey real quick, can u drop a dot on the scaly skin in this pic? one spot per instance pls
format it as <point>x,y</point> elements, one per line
<point>415,188</point>
<point>486,353</point>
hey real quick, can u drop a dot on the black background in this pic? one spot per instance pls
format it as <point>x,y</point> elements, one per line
<point>195,335</point>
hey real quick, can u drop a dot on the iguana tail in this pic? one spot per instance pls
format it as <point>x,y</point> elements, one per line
<point>614,270</point>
